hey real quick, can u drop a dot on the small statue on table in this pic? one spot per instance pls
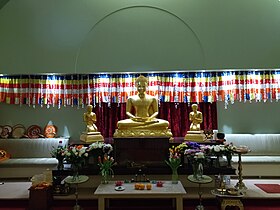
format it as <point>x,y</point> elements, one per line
<point>195,133</point>
<point>142,110</point>
<point>91,134</point>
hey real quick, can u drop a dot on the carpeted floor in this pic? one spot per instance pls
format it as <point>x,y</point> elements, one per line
<point>14,196</point>
<point>269,188</point>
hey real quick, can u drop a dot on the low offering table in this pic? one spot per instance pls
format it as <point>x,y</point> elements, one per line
<point>128,191</point>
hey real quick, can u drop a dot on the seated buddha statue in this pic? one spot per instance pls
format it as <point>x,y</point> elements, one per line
<point>142,110</point>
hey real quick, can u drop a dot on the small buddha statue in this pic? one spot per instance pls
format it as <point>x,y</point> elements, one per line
<point>196,118</point>
<point>91,134</point>
<point>90,120</point>
<point>142,110</point>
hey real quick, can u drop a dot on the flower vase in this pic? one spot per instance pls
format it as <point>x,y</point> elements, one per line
<point>60,165</point>
<point>75,169</point>
<point>217,161</point>
<point>198,171</point>
<point>175,176</point>
<point>194,168</point>
<point>105,176</point>
<point>229,157</point>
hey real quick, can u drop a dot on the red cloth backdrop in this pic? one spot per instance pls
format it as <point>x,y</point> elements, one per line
<point>177,114</point>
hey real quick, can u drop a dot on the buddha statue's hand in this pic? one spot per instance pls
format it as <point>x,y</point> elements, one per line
<point>150,119</point>
<point>139,119</point>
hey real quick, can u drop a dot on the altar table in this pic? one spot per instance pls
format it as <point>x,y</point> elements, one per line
<point>104,192</point>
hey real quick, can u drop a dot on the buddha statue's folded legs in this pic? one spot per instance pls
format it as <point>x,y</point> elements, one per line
<point>155,124</point>
<point>130,128</point>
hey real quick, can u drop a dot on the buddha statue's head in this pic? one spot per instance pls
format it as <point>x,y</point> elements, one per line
<point>89,108</point>
<point>141,79</point>
<point>141,83</point>
<point>194,107</point>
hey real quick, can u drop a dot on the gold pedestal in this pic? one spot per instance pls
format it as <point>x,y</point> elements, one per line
<point>196,136</point>
<point>143,133</point>
<point>91,137</point>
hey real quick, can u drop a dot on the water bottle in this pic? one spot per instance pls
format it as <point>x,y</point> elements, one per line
<point>227,180</point>
<point>217,181</point>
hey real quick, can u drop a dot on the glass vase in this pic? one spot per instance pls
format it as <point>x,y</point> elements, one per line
<point>105,176</point>
<point>197,171</point>
<point>75,170</point>
<point>175,177</point>
<point>60,165</point>
<point>217,161</point>
<point>229,157</point>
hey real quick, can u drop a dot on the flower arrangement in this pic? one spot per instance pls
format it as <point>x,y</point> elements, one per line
<point>195,152</point>
<point>105,165</point>
<point>222,149</point>
<point>106,162</point>
<point>199,157</point>
<point>217,150</point>
<point>174,162</point>
<point>225,149</point>
<point>182,147</point>
<point>59,152</point>
<point>76,155</point>
<point>106,148</point>
<point>229,148</point>
<point>96,145</point>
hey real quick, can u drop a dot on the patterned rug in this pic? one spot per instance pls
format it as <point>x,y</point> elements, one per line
<point>269,188</point>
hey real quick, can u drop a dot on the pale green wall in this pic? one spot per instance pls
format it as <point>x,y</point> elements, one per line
<point>68,120</point>
<point>87,36</point>
<point>254,117</point>
<point>39,36</point>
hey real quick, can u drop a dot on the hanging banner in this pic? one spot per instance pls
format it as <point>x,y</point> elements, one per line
<point>184,87</point>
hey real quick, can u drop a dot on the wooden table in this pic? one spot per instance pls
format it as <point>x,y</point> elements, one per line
<point>104,192</point>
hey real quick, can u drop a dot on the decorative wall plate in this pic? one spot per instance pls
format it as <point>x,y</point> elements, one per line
<point>34,131</point>
<point>50,131</point>
<point>6,131</point>
<point>18,132</point>
<point>18,125</point>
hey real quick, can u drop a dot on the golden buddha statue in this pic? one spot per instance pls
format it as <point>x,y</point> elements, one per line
<point>90,119</point>
<point>196,118</point>
<point>142,110</point>
<point>91,134</point>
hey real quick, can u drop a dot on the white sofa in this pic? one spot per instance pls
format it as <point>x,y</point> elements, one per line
<point>28,156</point>
<point>264,158</point>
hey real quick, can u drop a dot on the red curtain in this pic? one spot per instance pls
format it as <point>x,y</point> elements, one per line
<point>177,114</point>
